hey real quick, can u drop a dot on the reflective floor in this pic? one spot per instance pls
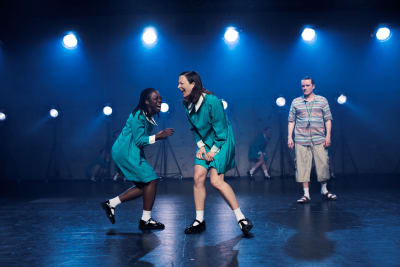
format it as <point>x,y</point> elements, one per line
<point>62,224</point>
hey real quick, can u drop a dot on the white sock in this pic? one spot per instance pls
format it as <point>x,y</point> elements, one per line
<point>252,170</point>
<point>114,202</point>
<point>306,192</point>
<point>324,189</point>
<point>266,173</point>
<point>199,217</point>
<point>146,215</point>
<point>239,215</point>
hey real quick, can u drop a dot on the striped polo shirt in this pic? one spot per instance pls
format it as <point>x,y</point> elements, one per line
<point>309,118</point>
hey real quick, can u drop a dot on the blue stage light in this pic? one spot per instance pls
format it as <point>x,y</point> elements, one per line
<point>342,99</point>
<point>107,110</point>
<point>225,104</point>
<point>231,35</point>
<point>3,116</point>
<point>383,34</point>
<point>70,41</point>
<point>308,34</point>
<point>164,107</point>
<point>280,101</point>
<point>149,36</point>
<point>53,113</point>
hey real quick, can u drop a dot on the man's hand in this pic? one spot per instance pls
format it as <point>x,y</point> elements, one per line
<point>210,156</point>
<point>290,143</point>
<point>327,142</point>
<point>164,133</point>
<point>200,153</point>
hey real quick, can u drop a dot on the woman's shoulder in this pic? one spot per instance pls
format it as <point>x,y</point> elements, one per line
<point>136,115</point>
<point>212,98</point>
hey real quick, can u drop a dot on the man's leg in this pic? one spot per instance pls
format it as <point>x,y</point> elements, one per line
<point>303,170</point>
<point>321,160</point>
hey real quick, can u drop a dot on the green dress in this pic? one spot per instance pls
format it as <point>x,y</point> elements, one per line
<point>211,126</point>
<point>127,151</point>
<point>257,147</point>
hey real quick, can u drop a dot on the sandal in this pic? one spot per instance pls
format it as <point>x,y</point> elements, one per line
<point>329,196</point>
<point>303,199</point>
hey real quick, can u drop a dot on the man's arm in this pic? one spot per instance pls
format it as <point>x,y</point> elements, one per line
<point>328,126</point>
<point>290,134</point>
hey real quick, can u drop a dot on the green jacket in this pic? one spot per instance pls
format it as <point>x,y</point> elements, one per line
<point>127,151</point>
<point>213,130</point>
<point>258,147</point>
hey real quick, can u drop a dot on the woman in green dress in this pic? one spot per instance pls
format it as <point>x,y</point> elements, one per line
<point>128,155</point>
<point>257,153</point>
<point>215,148</point>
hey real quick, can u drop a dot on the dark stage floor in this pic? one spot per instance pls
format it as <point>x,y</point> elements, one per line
<point>62,224</point>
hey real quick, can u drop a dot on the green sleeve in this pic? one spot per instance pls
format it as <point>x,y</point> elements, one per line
<point>138,131</point>
<point>218,122</point>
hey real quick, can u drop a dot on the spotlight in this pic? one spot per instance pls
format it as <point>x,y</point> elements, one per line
<point>70,41</point>
<point>149,36</point>
<point>383,34</point>
<point>3,116</point>
<point>164,107</point>
<point>308,34</point>
<point>231,35</point>
<point>342,99</point>
<point>224,103</point>
<point>280,101</point>
<point>107,110</point>
<point>53,113</point>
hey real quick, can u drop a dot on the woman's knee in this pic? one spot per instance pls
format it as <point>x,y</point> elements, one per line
<point>199,180</point>
<point>217,182</point>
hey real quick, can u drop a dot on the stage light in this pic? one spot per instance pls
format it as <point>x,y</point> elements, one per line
<point>308,34</point>
<point>225,104</point>
<point>107,110</point>
<point>70,41</point>
<point>280,101</point>
<point>383,34</point>
<point>342,99</point>
<point>164,107</point>
<point>53,113</point>
<point>231,35</point>
<point>3,116</point>
<point>149,36</point>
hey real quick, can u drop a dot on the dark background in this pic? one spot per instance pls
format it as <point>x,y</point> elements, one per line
<point>112,66</point>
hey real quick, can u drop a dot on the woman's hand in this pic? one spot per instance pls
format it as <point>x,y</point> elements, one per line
<point>210,156</point>
<point>164,133</point>
<point>200,153</point>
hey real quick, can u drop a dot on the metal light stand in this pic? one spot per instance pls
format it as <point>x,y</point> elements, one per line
<point>56,154</point>
<point>286,161</point>
<point>162,156</point>
<point>346,155</point>
<point>10,168</point>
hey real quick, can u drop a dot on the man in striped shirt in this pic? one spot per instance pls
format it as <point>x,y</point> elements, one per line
<point>311,120</point>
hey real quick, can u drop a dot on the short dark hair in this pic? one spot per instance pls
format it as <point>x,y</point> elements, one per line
<point>309,78</point>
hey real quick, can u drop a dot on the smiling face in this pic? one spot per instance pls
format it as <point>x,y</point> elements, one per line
<point>184,86</point>
<point>308,87</point>
<point>154,103</point>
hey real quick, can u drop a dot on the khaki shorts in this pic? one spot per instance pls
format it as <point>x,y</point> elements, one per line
<point>304,159</point>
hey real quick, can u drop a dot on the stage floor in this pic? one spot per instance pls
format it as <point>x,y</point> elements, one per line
<point>62,224</point>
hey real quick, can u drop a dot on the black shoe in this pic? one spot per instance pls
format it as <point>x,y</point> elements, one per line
<point>196,229</point>
<point>150,224</point>
<point>109,211</point>
<point>245,227</point>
